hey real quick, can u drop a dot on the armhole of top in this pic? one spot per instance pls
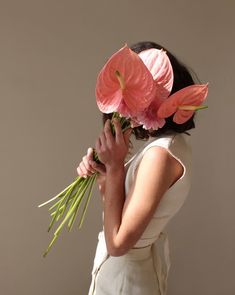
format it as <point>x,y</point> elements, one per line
<point>182,164</point>
<point>166,147</point>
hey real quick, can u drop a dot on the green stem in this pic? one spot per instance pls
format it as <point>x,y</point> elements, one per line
<point>61,193</point>
<point>88,183</point>
<point>87,201</point>
<point>57,210</point>
<point>72,186</point>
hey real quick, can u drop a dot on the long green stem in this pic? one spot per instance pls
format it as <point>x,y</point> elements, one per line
<point>89,183</point>
<point>57,210</point>
<point>71,198</point>
<point>57,196</point>
<point>73,186</point>
<point>87,201</point>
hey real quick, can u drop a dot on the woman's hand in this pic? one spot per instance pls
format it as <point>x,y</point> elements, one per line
<point>88,167</point>
<point>112,150</point>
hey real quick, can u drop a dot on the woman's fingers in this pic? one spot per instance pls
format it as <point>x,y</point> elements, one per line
<point>127,135</point>
<point>118,131</point>
<point>102,140</point>
<point>84,168</point>
<point>79,171</point>
<point>87,164</point>
<point>98,144</point>
<point>90,153</point>
<point>94,167</point>
<point>98,167</point>
<point>108,133</point>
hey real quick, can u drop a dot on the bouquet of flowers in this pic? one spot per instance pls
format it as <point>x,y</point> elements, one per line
<point>136,89</point>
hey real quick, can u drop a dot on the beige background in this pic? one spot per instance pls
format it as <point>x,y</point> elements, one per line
<point>50,55</point>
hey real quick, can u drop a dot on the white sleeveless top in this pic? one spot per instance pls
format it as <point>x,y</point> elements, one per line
<point>179,146</point>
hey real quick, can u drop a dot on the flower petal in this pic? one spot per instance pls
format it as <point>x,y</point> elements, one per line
<point>108,101</point>
<point>160,67</point>
<point>191,95</point>
<point>167,108</point>
<point>139,89</point>
<point>149,118</point>
<point>181,116</point>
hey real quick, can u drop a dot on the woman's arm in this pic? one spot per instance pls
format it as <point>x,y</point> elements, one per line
<point>157,171</point>
<point>125,219</point>
<point>112,152</point>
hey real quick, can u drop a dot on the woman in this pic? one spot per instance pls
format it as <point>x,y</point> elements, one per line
<point>139,197</point>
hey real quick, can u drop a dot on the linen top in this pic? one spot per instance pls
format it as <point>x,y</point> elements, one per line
<point>179,146</point>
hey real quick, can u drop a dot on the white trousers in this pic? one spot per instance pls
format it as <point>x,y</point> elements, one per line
<point>140,271</point>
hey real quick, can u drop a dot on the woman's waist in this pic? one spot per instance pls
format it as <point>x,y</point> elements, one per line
<point>139,253</point>
<point>141,250</point>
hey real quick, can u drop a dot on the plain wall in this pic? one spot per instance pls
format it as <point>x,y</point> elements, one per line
<point>50,55</point>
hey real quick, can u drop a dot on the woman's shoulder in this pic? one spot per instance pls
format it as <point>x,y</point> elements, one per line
<point>173,140</point>
<point>177,146</point>
<point>176,157</point>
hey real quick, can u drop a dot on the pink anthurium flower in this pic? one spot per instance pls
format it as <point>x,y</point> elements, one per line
<point>124,85</point>
<point>184,103</point>
<point>161,69</point>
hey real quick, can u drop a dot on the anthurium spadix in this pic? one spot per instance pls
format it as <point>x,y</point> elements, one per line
<point>124,84</point>
<point>184,103</point>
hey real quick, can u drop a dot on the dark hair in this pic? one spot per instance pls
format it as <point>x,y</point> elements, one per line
<point>182,78</point>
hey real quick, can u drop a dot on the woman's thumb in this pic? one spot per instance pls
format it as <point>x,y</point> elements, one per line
<point>90,153</point>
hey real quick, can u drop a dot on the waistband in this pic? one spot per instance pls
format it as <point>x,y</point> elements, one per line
<point>139,253</point>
